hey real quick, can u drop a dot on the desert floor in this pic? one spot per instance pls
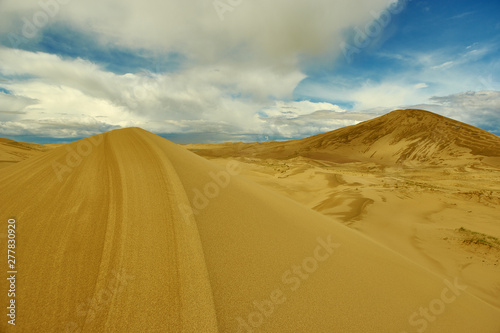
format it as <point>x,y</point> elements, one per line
<point>128,232</point>
<point>445,219</point>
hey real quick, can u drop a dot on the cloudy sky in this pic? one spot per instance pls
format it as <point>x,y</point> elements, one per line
<point>242,70</point>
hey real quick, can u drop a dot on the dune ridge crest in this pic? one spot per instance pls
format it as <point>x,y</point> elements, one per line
<point>117,212</point>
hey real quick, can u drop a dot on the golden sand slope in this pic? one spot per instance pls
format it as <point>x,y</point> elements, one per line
<point>415,212</point>
<point>107,243</point>
<point>105,233</point>
<point>12,151</point>
<point>407,137</point>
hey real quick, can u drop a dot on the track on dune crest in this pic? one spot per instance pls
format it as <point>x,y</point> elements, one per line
<point>108,229</point>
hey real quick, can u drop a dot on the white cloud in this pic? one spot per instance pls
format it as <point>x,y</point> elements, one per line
<point>420,77</point>
<point>13,103</point>
<point>386,93</point>
<point>235,70</point>
<point>272,33</point>
<point>389,93</point>
<point>447,64</point>
<point>294,109</point>
<point>60,127</point>
<point>313,123</point>
<point>477,108</point>
<point>64,92</point>
<point>421,85</point>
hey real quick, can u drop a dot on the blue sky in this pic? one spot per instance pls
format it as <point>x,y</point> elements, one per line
<point>254,71</point>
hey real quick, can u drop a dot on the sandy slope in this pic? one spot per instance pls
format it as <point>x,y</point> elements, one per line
<point>410,180</point>
<point>12,151</point>
<point>415,212</point>
<point>110,238</point>
<point>401,137</point>
<point>112,232</point>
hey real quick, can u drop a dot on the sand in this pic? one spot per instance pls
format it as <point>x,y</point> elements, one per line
<point>12,151</point>
<point>128,232</point>
<point>403,137</point>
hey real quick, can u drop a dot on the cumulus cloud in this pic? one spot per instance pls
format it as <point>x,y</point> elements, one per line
<point>419,77</point>
<point>203,92</point>
<point>481,109</point>
<point>313,123</point>
<point>55,128</point>
<point>273,32</point>
<point>239,74</point>
<point>14,104</point>
<point>238,65</point>
<point>286,110</point>
<point>75,91</point>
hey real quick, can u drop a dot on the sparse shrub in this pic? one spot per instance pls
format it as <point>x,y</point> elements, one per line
<point>472,237</point>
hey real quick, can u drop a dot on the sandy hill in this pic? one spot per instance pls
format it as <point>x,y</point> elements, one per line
<point>128,232</point>
<point>402,137</point>
<point>12,151</point>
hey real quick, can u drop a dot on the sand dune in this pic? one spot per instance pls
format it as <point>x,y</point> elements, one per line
<point>127,232</point>
<point>414,206</point>
<point>401,137</point>
<point>12,151</point>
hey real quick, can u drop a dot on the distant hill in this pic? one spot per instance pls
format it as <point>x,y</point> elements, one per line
<point>12,151</point>
<point>404,137</point>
